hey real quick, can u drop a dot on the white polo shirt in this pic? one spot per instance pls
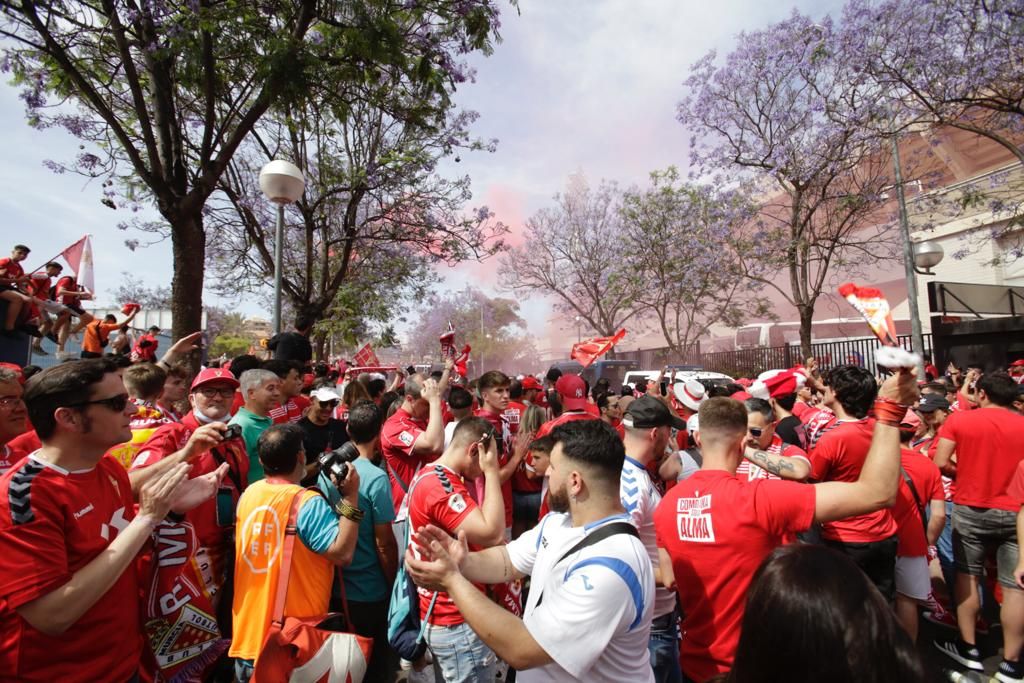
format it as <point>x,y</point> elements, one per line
<point>595,617</point>
<point>640,498</point>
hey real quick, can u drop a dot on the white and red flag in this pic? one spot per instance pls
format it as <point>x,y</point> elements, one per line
<point>79,257</point>
<point>587,352</point>
<point>872,305</point>
<point>366,357</point>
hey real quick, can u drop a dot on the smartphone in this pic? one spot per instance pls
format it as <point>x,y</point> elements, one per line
<point>225,507</point>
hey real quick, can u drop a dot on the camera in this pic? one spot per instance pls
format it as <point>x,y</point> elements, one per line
<point>335,463</point>
<point>232,432</point>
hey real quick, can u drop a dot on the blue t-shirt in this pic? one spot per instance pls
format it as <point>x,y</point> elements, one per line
<point>317,525</point>
<point>364,578</point>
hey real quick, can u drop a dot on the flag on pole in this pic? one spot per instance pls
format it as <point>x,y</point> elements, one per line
<point>79,257</point>
<point>366,357</point>
<point>588,351</point>
<point>872,305</point>
<point>447,340</point>
<point>461,360</point>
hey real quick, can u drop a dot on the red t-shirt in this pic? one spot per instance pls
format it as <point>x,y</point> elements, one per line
<point>800,409</point>
<point>504,430</point>
<point>592,409</point>
<point>397,438</point>
<point>928,484</point>
<point>717,529</point>
<point>170,438</point>
<point>839,456</point>
<point>989,445</point>
<point>749,471</point>
<point>237,403</point>
<point>67,282</point>
<point>58,523</point>
<point>1016,490</point>
<point>546,428</point>
<point>11,269</point>
<point>520,482</point>
<point>440,498</point>
<point>23,444</point>
<point>291,411</point>
<point>39,286</point>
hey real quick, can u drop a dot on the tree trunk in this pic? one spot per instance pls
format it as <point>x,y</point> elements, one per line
<point>806,320</point>
<point>189,246</point>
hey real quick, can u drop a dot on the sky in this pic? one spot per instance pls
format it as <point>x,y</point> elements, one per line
<point>575,86</point>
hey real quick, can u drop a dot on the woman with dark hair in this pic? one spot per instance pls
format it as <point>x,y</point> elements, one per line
<point>812,615</point>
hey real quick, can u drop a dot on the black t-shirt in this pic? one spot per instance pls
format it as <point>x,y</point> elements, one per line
<point>791,430</point>
<point>291,346</point>
<point>317,439</point>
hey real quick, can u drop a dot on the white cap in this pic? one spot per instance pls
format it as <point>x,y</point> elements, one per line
<point>324,394</point>
<point>690,393</point>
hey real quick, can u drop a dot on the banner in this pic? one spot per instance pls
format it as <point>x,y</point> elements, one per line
<point>366,357</point>
<point>588,351</point>
<point>79,257</point>
<point>872,305</point>
<point>447,340</point>
<point>461,360</point>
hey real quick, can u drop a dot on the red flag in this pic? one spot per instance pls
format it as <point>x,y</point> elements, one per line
<point>447,340</point>
<point>872,305</point>
<point>79,257</point>
<point>366,357</point>
<point>589,351</point>
<point>461,360</point>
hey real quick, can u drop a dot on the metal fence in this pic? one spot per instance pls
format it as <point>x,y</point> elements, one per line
<point>752,362</point>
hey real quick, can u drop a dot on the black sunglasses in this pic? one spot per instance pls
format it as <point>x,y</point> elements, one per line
<point>755,431</point>
<point>328,404</point>
<point>116,403</point>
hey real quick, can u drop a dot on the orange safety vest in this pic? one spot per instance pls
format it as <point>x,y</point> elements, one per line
<point>259,542</point>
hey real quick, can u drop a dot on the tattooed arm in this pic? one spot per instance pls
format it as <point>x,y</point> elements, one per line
<point>795,468</point>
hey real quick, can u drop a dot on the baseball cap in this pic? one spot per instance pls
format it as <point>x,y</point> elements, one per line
<point>910,421</point>
<point>573,391</point>
<point>932,402</point>
<point>1019,363</point>
<point>530,383</point>
<point>690,393</point>
<point>210,375</point>
<point>324,394</point>
<point>647,412</point>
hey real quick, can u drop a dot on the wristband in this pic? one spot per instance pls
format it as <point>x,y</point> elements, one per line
<point>349,511</point>
<point>889,412</point>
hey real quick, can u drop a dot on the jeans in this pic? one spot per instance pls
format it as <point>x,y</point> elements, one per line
<point>945,548</point>
<point>663,648</point>
<point>243,670</point>
<point>460,654</point>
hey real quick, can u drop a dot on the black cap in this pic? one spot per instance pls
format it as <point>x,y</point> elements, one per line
<point>647,412</point>
<point>932,402</point>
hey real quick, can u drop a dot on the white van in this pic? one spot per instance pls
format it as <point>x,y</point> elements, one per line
<point>681,373</point>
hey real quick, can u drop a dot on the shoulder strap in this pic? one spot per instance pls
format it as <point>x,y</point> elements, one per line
<point>401,482</point>
<point>917,498</point>
<point>290,532</point>
<point>590,539</point>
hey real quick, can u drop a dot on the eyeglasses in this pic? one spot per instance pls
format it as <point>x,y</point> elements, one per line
<point>116,403</point>
<point>210,392</point>
<point>755,432</point>
<point>328,404</point>
<point>8,401</point>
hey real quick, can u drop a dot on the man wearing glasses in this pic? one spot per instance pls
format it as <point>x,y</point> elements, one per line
<point>13,418</point>
<point>197,440</point>
<point>766,455</point>
<point>321,432</point>
<point>70,533</point>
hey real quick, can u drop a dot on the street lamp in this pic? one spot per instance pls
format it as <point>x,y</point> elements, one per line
<point>927,255</point>
<point>283,183</point>
<point>577,329</point>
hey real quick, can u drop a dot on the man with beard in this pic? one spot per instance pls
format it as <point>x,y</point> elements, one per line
<point>589,612</point>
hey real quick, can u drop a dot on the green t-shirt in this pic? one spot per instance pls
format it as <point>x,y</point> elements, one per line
<point>364,578</point>
<point>252,426</point>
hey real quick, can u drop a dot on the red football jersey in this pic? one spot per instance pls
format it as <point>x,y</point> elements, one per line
<point>928,485</point>
<point>397,438</point>
<point>53,523</point>
<point>291,411</point>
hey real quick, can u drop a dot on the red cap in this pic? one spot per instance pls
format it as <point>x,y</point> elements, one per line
<point>16,369</point>
<point>1019,363</point>
<point>210,375</point>
<point>573,391</point>
<point>530,383</point>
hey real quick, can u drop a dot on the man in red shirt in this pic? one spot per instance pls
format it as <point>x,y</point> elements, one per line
<point>438,496</point>
<point>717,528</point>
<point>414,435</point>
<point>52,315</point>
<point>146,345</point>
<point>13,418</point>
<point>293,403</point>
<point>494,392</point>
<point>572,394</point>
<point>533,391</point>
<point>12,280</point>
<point>767,457</point>
<point>988,444</point>
<point>838,455</point>
<point>68,293</point>
<point>197,440</point>
<point>69,533</point>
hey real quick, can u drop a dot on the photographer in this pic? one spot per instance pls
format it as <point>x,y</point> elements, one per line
<point>328,536</point>
<point>369,577</point>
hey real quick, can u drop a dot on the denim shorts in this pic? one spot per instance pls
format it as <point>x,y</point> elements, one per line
<point>978,531</point>
<point>460,654</point>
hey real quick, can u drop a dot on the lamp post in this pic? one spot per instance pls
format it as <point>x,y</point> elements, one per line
<point>282,182</point>
<point>917,258</point>
<point>577,329</point>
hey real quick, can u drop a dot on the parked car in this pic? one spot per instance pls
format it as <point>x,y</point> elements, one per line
<point>681,373</point>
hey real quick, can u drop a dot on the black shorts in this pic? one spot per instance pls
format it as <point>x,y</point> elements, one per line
<point>76,308</point>
<point>876,559</point>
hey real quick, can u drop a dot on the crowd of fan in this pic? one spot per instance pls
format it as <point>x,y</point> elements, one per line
<point>699,532</point>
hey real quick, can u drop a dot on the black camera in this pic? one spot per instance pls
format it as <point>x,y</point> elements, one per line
<point>232,432</point>
<point>335,463</point>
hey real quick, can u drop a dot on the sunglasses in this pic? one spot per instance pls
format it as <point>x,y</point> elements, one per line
<point>210,392</point>
<point>116,403</point>
<point>328,404</point>
<point>755,432</point>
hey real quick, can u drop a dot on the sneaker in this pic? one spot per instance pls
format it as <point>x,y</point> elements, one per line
<point>39,350</point>
<point>962,653</point>
<point>1010,672</point>
<point>941,617</point>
